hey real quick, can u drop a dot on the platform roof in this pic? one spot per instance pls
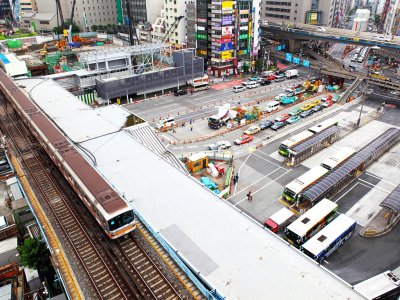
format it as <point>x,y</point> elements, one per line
<point>234,254</point>
<point>393,200</point>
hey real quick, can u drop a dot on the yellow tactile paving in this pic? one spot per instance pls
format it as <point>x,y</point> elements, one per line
<point>69,279</point>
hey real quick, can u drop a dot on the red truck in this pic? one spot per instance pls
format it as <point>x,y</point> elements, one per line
<point>279,220</point>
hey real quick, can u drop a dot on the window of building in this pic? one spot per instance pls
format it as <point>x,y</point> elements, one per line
<point>44,22</point>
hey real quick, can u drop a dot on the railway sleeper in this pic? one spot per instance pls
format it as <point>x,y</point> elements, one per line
<point>89,256</point>
<point>140,260</point>
<point>150,274</point>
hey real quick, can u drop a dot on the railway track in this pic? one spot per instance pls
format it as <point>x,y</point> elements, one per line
<point>105,279</point>
<point>150,279</point>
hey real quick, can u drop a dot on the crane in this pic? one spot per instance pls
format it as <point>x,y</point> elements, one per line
<point>61,16</point>
<point>172,28</point>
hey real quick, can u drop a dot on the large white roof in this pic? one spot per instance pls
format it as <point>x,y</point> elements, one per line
<point>230,251</point>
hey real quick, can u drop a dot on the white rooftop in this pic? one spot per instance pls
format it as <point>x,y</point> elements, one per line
<point>232,253</point>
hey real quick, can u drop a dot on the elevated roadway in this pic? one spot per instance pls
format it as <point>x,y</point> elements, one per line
<point>295,31</point>
<point>333,70</point>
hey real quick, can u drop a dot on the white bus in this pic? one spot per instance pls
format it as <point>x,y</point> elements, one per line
<point>337,158</point>
<point>382,286</point>
<point>323,125</point>
<point>307,225</point>
<point>200,84</point>
<point>325,242</point>
<point>294,188</point>
<point>293,141</point>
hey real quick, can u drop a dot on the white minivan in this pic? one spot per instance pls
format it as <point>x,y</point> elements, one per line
<point>166,123</point>
<point>252,84</point>
<point>271,106</point>
<point>238,88</point>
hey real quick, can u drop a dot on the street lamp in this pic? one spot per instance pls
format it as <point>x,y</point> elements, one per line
<point>364,94</point>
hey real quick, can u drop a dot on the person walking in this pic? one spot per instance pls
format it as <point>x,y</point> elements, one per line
<point>249,196</point>
<point>234,180</point>
<point>173,129</point>
<point>237,177</point>
<point>191,127</point>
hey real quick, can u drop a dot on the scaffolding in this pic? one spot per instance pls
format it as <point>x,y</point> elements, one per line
<point>138,59</point>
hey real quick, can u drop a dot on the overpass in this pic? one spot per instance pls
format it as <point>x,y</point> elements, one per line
<point>302,32</point>
<point>333,69</point>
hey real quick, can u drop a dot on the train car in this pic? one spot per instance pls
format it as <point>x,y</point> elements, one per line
<point>110,210</point>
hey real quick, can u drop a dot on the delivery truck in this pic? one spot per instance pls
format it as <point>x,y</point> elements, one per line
<point>292,73</point>
<point>279,220</point>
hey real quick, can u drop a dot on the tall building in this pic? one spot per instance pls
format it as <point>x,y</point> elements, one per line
<point>28,6</point>
<point>142,10</point>
<point>227,34</point>
<point>6,9</point>
<point>391,21</point>
<point>159,28</point>
<point>191,24</point>
<point>174,9</point>
<point>286,10</point>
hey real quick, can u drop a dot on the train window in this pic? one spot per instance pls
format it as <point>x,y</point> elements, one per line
<point>120,220</point>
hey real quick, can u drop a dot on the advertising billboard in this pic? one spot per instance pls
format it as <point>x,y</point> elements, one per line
<point>226,55</point>
<point>226,46</point>
<point>226,5</point>
<point>289,56</point>
<point>227,20</point>
<point>202,20</point>
<point>227,31</point>
<point>313,17</point>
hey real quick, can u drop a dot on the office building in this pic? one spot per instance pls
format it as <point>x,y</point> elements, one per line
<point>391,22</point>
<point>159,28</point>
<point>285,10</point>
<point>141,10</point>
<point>228,39</point>
<point>27,6</point>
<point>191,24</point>
<point>174,9</point>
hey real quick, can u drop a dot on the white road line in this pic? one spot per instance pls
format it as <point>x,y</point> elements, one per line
<point>238,172</point>
<point>374,186</point>
<point>167,145</point>
<point>264,186</point>
<point>268,160</point>
<point>167,138</point>
<point>381,179</point>
<point>357,183</point>
<point>253,183</point>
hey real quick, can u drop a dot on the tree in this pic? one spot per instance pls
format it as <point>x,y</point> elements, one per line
<point>101,27</point>
<point>67,23</point>
<point>259,65</point>
<point>377,20</point>
<point>94,27</point>
<point>245,67</point>
<point>35,255</point>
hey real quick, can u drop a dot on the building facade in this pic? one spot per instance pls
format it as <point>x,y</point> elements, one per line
<point>174,10</point>
<point>159,28</point>
<point>227,34</point>
<point>285,10</point>
<point>391,22</point>
<point>191,24</point>
<point>27,6</point>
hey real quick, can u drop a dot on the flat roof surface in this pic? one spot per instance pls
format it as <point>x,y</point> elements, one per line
<point>234,254</point>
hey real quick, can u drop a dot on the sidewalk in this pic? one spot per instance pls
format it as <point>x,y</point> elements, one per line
<point>383,222</point>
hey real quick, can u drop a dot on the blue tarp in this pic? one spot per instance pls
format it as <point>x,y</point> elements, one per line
<point>4,59</point>
<point>208,183</point>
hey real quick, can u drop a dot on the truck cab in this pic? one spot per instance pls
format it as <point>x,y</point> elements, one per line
<point>279,220</point>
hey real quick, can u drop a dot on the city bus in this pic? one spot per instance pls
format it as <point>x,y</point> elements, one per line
<point>200,84</point>
<point>325,242</point>
<point>307,225</point>
<point>323,125</point>
<point>337,158</point>
<point>293,141</point>
<point>294,188</point>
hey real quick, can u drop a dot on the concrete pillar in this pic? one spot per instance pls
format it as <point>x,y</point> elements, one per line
<point>294,46</point>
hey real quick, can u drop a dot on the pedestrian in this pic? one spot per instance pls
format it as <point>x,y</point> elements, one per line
<point>190,121</point>
<point>249,196</point>
<point>237,177</point>
<point>234,180</point>
<point>173,129</point>
<point>191,127</point>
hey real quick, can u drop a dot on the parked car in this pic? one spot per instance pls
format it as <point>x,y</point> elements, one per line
<point>266,124</point>
<point>271,77</point>
<point>315,103</point>
<point>295,111</point>
<point>320,29</point>
<point>265,82</point>
<point>306,113</point>
<point>245,82</point>
<point>327,97</point>
<point>244,139</point>
<point>280,78</point>
<point>238,88</point>
<point>252,85</point>
<point>317,108</point>
<point>252,130</point>
<point>293,119</point>
<point>282,118</point>
<point>327,103</point>
<point>180,92</point>
<point>256,79</point>
<point>278,125</point>
<point>306,107</point>
<point>220,145</point>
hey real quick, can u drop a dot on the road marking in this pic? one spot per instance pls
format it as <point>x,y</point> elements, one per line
<point>164,136</point>
<point>252,183</point>
<point>264,186</point>
<point>374,186</point>
<point>269,160</point>
<point>238,172</point>
<point>347,192</point>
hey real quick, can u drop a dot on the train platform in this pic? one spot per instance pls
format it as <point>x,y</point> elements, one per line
<point>231,253</point>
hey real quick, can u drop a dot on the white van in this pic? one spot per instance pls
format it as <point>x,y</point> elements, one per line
<point>271,106</point>
<point>166,123</point>
<point>252,84</point>
<point>238,88</point>
<point>267,73</point>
